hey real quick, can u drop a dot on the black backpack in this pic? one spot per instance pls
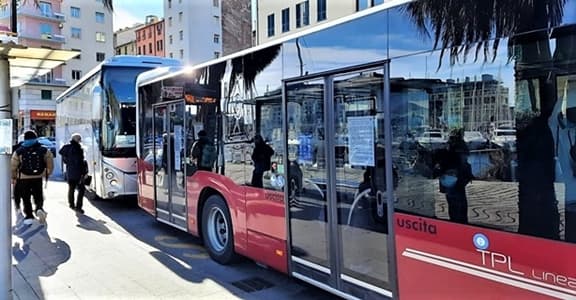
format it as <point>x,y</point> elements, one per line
<point>32,160</point>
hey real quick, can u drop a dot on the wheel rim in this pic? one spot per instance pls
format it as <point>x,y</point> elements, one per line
<point>217,229</point>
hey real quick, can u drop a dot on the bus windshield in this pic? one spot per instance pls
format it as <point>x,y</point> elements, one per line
<point>119,118</point>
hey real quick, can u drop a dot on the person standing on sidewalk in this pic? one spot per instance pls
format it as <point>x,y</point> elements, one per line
<point>76,169</point>
<point>29,164</point>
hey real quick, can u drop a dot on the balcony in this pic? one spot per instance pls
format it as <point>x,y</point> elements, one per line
<point>52,81</point>
<point>51,37</point>
<point>45,15</point>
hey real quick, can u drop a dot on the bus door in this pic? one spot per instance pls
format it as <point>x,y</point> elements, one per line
<point>169,145</point>
<point>337,213</point>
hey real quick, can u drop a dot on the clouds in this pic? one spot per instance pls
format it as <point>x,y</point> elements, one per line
<point>129,12</point>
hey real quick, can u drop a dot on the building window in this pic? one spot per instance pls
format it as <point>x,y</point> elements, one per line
<point>217,19</point>
<point>100,56</point>
<point>46,95</point>
<point>362,4</point>
<point>45,29</point>
<point>76,74</point>
<point>286,20</point>
<point>150,32</point>
<point>170,21</point>
<point>271,25</point>
<point>216,54</point>
<point>321,10</point>
<point>101,37</point>
<point>77,50</point>
<point>150,48</point>
<point>75,12</point>
<point>139,50</point>
<point>216,3</point>
<point>76,33</point>
<point>169,3</point>
<point>99,17</point>
<point>171,55</point>
<point>181,35</point>
<point>302,14</point>
<point>180,14</point>
<point>216,39</point>
<point>181,54</point>
<point>45,8</point>
<point>170,39</point>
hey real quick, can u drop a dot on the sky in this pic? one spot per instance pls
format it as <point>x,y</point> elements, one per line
<point>129,12</point>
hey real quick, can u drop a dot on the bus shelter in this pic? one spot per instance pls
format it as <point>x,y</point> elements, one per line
<point>18,65</point>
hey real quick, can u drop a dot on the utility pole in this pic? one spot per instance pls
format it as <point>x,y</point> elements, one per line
<point>5,152</point>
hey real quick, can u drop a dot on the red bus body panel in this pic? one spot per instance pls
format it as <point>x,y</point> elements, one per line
<point>443,260</point>
<point>146,186</point>
<point>258,215</point>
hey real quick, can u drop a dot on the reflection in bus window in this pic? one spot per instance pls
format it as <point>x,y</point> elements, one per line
<point>519,129</point>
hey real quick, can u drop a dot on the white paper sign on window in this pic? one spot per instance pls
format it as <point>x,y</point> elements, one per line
<point>361,141</point>
<point>177,146</point>
<point>6,136</point>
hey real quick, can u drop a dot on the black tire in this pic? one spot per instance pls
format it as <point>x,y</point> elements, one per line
<point>217,230</point>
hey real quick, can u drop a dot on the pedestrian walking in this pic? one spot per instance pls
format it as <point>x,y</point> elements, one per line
<point>29,165</point>
<point>76,170</point>
<point>16,187</point>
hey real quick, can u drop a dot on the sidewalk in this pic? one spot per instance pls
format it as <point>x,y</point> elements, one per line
<point>116,251</point>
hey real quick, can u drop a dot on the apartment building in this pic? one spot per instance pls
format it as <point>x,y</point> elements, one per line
<point>275,19</point>
<point>125,40</point>
<point>81,25</point>
<point>89,30</point>
<point>200,30</point>
<point>150,37</point>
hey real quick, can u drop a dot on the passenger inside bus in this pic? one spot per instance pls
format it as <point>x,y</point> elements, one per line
<point>261,157</point>
<point>203,152</point>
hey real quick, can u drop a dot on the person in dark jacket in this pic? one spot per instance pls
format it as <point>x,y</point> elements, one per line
<point>76,170</point>
<point>16,189</point>
<point>32,154</point>
<point>198,152</point>
<point>455,173</point>
<point>261,156</point>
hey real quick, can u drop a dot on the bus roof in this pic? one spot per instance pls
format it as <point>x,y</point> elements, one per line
<point>123,61</point>
<point>144,80</point>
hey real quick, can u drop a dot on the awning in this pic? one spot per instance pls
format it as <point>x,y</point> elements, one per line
<point>27,63</point>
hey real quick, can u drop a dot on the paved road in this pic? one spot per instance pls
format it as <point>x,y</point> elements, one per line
<point>116,251</point>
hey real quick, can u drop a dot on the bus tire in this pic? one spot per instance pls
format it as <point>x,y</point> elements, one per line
<point>217,230</point>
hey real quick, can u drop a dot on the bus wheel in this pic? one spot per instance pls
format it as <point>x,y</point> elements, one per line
<point>217,230</point>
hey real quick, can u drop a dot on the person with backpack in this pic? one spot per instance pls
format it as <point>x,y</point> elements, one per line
<point>261,156</point>
<point>204,152</point>
<point>29,164</point>
<point>16,186</point>
<point>76,170</point>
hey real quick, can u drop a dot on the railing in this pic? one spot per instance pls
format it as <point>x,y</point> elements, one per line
<point>56,16</point>
<point>55,81</point>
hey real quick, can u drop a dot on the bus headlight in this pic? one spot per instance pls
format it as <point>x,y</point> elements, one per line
<point>109,175</point>
<point>113,182</point>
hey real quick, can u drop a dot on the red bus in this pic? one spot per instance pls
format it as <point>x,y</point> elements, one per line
<point>403,166</point>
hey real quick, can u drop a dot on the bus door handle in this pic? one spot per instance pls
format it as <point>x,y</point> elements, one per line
<point>380,202</point>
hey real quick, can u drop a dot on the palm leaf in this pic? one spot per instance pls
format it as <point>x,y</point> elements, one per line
<point>458,26</point>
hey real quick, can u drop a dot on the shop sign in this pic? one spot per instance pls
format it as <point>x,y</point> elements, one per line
<point>42,115</point>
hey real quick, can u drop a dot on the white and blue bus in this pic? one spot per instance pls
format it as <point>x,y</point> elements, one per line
<point>101,106</point>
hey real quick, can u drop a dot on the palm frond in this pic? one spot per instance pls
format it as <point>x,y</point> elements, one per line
<point>458,26</point>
